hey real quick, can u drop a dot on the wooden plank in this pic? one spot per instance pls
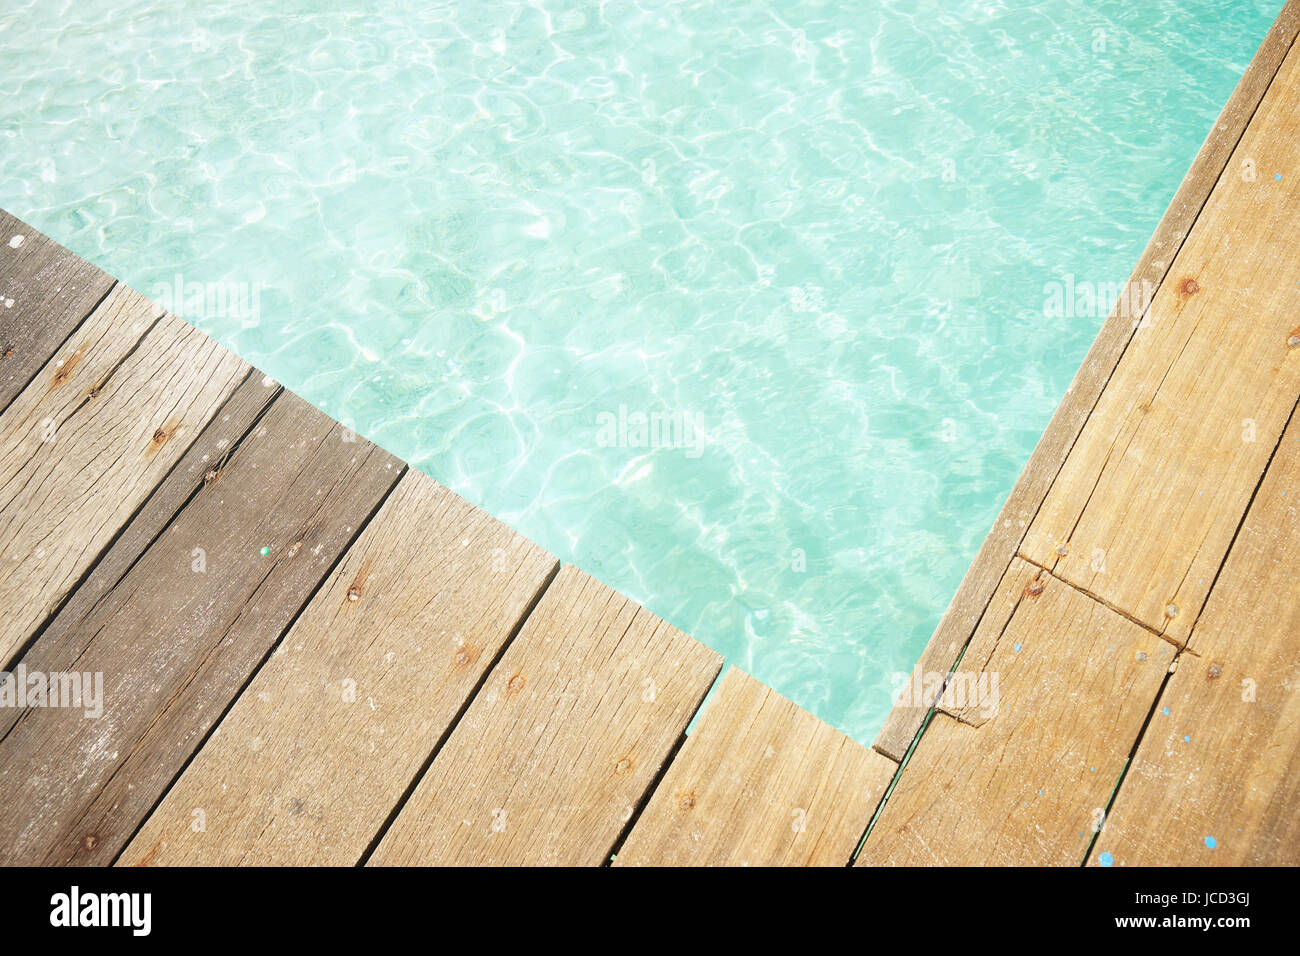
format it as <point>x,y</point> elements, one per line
<point>181,633</point>
<point>89,439</point>
<point>45,293</point>
<point>759,782</point>
<point>1031,737</point>
<point>566,737</point>
<point>319,749</point>
<point>1150,497</point>
<point>977,587</point>
<point>1216,778</point>
<point>60,638</point>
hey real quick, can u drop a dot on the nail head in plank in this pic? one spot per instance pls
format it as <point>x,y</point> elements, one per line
<point>1030,737</point>
<point>1216,778</point>
<point>1001,545</point>
<point>325,740</point>
<point>45,293</point>
<point>179,636</point>
<point>1152,494</point>
<point>87,442</point>
<point>759,782</point>
<point>567,735</point>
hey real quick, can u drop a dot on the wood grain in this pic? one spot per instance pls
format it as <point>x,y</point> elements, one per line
<point>335,727</point>
<point>560,746</point>
<point>759,782</point>
<point>88,440</point>
<point>45,293</point>
<point>62,639</point>
<point>179,635</point>
<point>1146,506</point>
<point>1030,738</point>
<point>1220,761</point>
<point>977,587</point>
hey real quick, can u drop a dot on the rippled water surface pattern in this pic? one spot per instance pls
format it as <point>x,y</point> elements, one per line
<point>821,231</point>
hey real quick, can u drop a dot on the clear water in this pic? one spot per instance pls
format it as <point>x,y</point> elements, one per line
<point>823,229</point>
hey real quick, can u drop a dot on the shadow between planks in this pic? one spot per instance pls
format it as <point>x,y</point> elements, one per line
<point>1003,543</point>
<point>311,654</point>
<point>1130,521</point>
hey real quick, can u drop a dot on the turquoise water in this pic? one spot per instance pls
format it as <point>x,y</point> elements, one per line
<point>821,235</point>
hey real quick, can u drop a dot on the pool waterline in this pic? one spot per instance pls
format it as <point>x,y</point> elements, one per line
<point>829,237</point>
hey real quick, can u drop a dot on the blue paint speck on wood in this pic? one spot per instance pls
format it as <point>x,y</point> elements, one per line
<point>1211,843</point>
<point>1165,711</point>
<point>1277,176</point>
<point>1106,860</point>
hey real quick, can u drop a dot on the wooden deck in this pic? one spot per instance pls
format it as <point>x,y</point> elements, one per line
<point>312,654</point>
<point>1137,596</point>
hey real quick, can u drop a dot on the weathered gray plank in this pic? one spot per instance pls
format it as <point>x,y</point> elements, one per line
<point>88,441</point>
<point>45,293</point>
<point>333,730</point>
<point>181,633</point>
<point>60,639</point>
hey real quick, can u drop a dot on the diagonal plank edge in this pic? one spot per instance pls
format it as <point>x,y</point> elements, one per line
<point>1150,498</point>
<point>1003,542</point>
<point>566,736</point>
<point>88,440</point>
<point>1030,736</point>
<point>1216,777</point>
<point>760,782</point>
<point>317,751</point>
<point>45,293</point>
<point>178,636</point>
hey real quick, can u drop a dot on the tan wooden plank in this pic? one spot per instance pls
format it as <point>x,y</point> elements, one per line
<point>321,746</point>
<point>61,638</point>
<point>88,440</point>
<point>566,737</point>
<point>1030,739</point>
<point>981,580</point>
<point>45,293</point>
<point>1220,759</point>
<point>180,634</point>
<point>759,782</point>
<point>1149,499</point>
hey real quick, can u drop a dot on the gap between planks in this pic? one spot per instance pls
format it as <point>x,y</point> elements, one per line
<point>964,613</point>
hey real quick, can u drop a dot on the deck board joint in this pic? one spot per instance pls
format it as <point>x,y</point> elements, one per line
<point>996,555</point>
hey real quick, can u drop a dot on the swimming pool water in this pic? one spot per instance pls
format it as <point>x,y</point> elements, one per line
<point>819,237</point>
